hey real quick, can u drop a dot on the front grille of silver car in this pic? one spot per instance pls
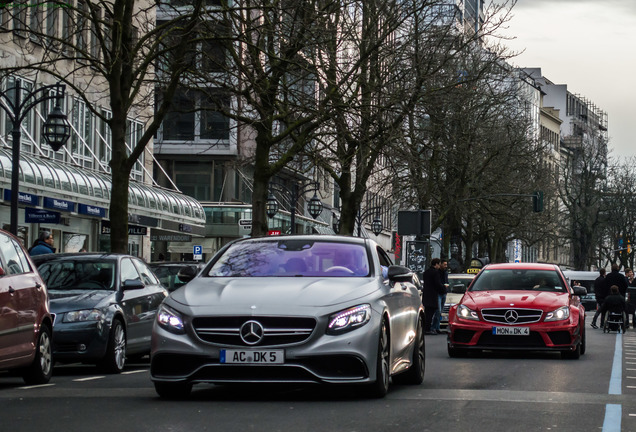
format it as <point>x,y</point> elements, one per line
<point>505,315</point>
<point>277,331</point>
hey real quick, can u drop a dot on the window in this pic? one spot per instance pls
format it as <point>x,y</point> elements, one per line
<point>147,277</point>
<point>128,270</point>
<point>194,117</point>
<point>14,263</point>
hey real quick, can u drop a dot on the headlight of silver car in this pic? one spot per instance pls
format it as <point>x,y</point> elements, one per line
<point>349,319</point>
<point>561,313</point>
<point>170,320</point>
<point>84,315</point>
<point>466,313</point>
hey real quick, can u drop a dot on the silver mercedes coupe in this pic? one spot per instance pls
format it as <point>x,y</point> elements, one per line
<point>292,309</point>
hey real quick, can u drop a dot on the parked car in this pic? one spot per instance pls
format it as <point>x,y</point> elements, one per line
<point>104,306</point>
<point>169,272</point>
<point>292,309</point>
<point>586,279</point>
<point>519,306</point>
<point>25,321</point>
<point>457,285</point>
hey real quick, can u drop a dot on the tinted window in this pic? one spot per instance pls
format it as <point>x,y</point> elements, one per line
<point>292,258</point>
<point>147,277</point>
<point>78,274</point>
<point>518,279</point>
<point>128,270</point>
<point>15,262</point>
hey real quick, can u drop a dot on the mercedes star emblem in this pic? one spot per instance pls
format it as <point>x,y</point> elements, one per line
<point>511,316</point>
<point>252,332</point>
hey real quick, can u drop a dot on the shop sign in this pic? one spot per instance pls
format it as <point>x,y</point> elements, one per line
<point>185,228</point>
<point>132,229</point>
<point>58,204</point>
<point>32,215</point>
<point>24,198</point>
<point>161,235</point>
<point>90,210</point>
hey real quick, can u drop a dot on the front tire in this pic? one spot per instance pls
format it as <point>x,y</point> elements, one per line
<point>572,355</point>
<point>415,374</point>
<point>41,370</point>
<point>115,358</point>
<point>380,387</point>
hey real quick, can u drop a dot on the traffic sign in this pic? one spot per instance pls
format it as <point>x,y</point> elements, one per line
<point>197,252</point>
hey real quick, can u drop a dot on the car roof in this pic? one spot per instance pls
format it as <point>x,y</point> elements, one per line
<point>521,266</point>
<point>315,237</point>
<point>461,275</point>
<point>39,259</point>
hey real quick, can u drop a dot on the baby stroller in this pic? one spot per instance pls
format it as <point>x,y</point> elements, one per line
<point>614,321</point>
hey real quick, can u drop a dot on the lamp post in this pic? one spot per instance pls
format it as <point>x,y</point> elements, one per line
<point>314,206</point>
<point>376,224</point>
<point>56,130</point>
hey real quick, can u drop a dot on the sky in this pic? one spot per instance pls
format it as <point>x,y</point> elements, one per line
<point>590,45</point>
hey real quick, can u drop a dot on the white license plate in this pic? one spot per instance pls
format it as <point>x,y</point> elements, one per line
<point>511,331</point>
<point>253,356</point>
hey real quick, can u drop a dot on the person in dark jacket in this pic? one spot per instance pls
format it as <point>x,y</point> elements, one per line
<point>600,292</point>
<point>615,278</point>
<point>43,245</point>
<point>433,287</point>
<point>615,302</point>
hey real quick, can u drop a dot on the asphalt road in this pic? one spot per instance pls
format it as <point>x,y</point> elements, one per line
<point>486,392</point>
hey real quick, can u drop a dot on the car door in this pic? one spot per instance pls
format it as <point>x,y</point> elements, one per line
<point>134,304</point>
<point>154,294</point>
<point>402,308</point>
<point>21,296</point>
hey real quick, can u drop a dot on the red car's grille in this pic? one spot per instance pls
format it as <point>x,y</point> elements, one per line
<point>512,316</point>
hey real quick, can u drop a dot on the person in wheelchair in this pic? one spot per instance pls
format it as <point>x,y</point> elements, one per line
<point>614,307</point>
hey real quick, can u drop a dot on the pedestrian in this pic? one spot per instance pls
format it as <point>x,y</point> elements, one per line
<point>441,298</point>
<point>615,278</point>
<point>631,296</point>
<point>615,302</point>
<point>629,276</point>
<point>600,292</point>
<point>433,287</point>
<point>43,244</point>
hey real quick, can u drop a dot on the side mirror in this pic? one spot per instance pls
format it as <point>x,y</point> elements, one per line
<point>579,291</point>
<point>398,273</point>
<point>187,273</point>
<point>132,284</point>
<point>458,289</point>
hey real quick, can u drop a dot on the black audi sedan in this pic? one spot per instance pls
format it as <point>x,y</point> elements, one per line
<point>103,306</point>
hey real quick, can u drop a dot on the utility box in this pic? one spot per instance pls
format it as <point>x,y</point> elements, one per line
<point>414,222</point>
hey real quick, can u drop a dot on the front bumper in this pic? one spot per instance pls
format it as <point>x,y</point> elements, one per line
<point>82,341</point>
<point>347,358</point>
<point>542,337</point>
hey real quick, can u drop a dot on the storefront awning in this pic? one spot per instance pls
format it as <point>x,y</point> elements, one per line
<point>62,181</point>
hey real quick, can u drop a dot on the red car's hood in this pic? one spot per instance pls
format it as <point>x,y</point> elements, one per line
<point>521,299</point>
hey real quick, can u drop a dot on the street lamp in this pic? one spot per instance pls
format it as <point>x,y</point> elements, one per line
<point>376,225</point>
<point>56,130</point>
<point>314,207</point>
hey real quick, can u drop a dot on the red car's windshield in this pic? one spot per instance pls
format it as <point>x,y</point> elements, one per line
<point>518,279</point>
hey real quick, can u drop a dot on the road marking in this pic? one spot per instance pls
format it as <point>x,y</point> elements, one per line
<point>617,368</point>
<point>35,386</point>
<point>89,378</point>
<point>630,386</point>
<point>613,413</point>
<point>145,370</point>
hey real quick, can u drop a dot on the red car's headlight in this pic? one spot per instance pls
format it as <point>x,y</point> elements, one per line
<point>561,313</point>
<point>466,313</point>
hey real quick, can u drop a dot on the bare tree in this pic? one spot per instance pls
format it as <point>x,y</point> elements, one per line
<point>106,52</point>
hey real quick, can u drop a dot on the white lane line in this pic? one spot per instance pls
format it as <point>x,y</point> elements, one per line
<point>145,370</point>
<point>36,386</point>
<point>89,378</point>
<point>617,369</point>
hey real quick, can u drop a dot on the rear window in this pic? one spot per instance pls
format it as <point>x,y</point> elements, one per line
<point>292,258</point>
<point>518,279</point>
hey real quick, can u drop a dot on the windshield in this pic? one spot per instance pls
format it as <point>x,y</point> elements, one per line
<point>292,258</point>
<point>80,274</point>
<point>518,279</point>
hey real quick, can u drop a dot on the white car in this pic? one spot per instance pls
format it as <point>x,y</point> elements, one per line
<point>457,285</point>
<point>292,309</point>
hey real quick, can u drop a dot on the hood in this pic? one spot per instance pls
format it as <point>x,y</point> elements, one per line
<point>62,301</point>
<point>521,299</point>
<point>272,293</point>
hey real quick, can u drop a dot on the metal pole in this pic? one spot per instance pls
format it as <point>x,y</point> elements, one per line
<point>15,166</point>
<point>293,209</point>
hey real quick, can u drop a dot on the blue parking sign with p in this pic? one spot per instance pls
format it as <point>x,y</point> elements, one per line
<point>197,251</point>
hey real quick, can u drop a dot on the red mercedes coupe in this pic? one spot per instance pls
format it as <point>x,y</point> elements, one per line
<point>519,306</point>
